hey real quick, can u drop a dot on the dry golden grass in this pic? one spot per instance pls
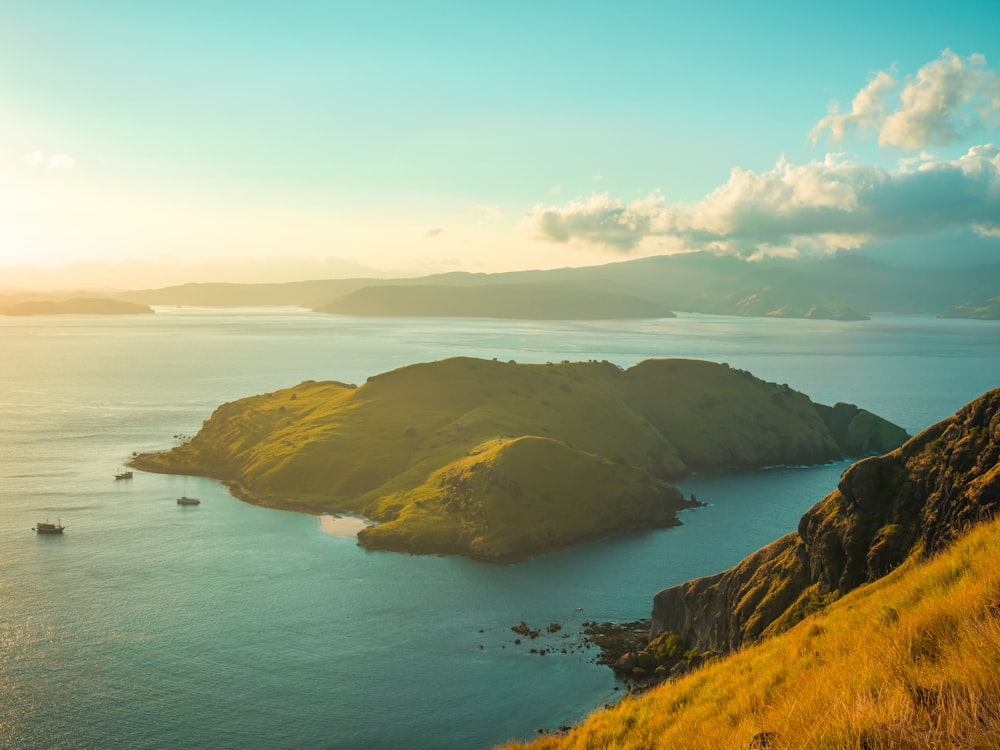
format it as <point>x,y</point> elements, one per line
<point>910,661</point>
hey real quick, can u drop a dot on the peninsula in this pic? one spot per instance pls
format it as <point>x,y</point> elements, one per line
<point>499,460</point>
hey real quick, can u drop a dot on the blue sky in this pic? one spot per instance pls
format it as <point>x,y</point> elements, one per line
<point>422,136</point>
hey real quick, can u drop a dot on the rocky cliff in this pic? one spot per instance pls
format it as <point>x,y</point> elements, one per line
<point>910,502</point>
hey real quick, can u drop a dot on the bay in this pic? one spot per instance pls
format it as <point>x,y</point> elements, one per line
<point>148,625</point>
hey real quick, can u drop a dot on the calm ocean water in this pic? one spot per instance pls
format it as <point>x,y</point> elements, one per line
<point>149,625</point>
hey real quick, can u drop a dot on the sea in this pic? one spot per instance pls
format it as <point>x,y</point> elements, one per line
<point>225,625</point>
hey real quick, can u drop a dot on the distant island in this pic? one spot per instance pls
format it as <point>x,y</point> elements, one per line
<point>75,306</point>
<point>983,309</point>
<point>523,301</point>
<point>499,460</point>
<point>844,288</point>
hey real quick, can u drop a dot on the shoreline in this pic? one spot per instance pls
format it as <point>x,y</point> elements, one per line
<point>148,462</point>
<point>345,525</point>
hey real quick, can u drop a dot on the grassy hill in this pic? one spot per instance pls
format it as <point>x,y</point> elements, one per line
<point>499,460</point>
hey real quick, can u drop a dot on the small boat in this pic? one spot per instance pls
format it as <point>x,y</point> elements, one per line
<point>123,474</point>
<point>44,527</point>
<point>185,500</point>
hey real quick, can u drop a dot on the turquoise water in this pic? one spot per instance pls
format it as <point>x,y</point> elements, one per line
<point>149,625</point>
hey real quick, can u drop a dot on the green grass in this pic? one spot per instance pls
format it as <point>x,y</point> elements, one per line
<point>499,460</point>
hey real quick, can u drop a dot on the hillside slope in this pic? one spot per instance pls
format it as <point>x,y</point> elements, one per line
<point>915,499</point>
<point>909,662</point>
<point>499,460</point>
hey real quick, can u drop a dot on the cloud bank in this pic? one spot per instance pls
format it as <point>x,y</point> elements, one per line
<point>947,101</point>
<point>823,205</point>
<point>837,203</point>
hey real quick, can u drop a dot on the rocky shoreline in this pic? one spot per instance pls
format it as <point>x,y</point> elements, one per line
<point>625,647</point>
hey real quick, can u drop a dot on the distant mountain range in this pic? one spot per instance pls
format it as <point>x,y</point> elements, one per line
<point>847,287</point>
<point>840,288</point>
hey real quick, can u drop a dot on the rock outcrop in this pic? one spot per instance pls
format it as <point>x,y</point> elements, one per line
<point>911,501</point>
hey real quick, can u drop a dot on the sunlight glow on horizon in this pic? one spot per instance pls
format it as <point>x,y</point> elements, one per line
<point>415,138</point>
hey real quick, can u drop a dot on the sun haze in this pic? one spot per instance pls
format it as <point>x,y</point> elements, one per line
<point>409,138</point>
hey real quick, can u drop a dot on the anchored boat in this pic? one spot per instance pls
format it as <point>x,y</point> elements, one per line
<point>185,500</point>
<point>44,527</point>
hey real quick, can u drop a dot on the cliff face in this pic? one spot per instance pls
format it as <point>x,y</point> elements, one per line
<point>912,501</point>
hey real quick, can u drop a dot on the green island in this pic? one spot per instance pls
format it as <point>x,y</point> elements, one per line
<point>555,301</point>
<point>75,306</point>
<point>499,460</point>
<point>982,309</point>
<point>874,625</point>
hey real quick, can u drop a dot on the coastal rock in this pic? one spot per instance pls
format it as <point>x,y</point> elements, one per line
<point>626,663</point>
<point>763,741</point>
<point>645,660</point>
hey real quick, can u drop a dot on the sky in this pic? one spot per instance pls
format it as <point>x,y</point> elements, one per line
<point>277,140</point>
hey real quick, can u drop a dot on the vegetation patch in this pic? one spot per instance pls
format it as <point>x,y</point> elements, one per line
<point>499,460</point>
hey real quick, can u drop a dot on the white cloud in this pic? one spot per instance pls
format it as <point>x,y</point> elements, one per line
<point>55,162</point>
<point>867,110</point>
<point>598,220</point>
<point>819,206</point>
<point>948,99</point>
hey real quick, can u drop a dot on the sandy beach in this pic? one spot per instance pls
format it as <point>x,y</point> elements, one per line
<point>337,525</point>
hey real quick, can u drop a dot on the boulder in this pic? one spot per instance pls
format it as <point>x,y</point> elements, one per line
<point>626,663</point>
